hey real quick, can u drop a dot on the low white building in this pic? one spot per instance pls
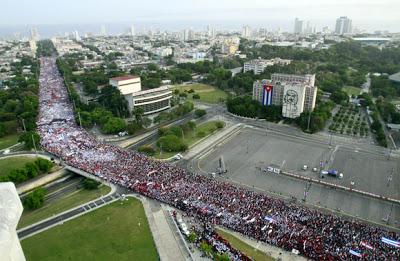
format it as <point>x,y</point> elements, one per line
<point>151,100</point>
<point>259,65</point>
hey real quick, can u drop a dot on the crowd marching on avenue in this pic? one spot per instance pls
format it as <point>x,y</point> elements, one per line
<point>314,234</point>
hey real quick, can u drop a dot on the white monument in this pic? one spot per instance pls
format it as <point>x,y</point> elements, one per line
<point>10,212</point>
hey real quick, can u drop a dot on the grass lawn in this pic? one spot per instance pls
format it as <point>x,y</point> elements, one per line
<point>351,90</point>
<point>119,231</point>
<point>256,255</point>
<point>60,205</point>
<point>8,164</point>
<point>190,138</point>
<point>207,93</point>
<point>207,128</point>
<point>8,141</point>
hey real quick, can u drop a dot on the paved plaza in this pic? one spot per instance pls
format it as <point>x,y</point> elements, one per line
<point>252,150</point>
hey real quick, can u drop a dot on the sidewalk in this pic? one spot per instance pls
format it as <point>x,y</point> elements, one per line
<point>167,246</point>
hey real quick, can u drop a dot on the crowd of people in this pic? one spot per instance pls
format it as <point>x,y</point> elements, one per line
<point>314,234</point>
<point>219,245</point>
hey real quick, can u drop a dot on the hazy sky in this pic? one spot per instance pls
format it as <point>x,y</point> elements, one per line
<point>367,14</point>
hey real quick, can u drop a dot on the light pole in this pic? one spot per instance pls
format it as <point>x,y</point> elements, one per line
<point>309,120</point>
<point>34,145</point>
<point>23,124</point>
<point>80,121</point>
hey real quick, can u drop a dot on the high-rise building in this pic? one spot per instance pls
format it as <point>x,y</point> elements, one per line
<point>103,31</point>
<point>246,31</point>
<point>295,93</point>
<point>343,25</point>
<point>132,31</point>
<point>298,26</point>
<point>34,34</point>
<point>76,36</point>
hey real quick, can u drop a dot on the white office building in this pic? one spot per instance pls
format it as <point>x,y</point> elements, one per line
<point>151,100</point>
<point>298,26</point>
<point>295,93</point>
<point>259,65</point>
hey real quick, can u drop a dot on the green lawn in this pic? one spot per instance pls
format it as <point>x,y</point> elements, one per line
<point>119,231</point>
<point>207,127</point>
<point>190,138</point>
<point>8,164</point>
<point>60,205</point>
<point>351,90</point>
<point>256,255</point>
<point>208,93</point>
<point>8,141</point>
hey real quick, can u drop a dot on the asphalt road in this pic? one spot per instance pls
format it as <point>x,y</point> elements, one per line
<point>250,151</point>
<point>59,219</point>
<point>211,112</point>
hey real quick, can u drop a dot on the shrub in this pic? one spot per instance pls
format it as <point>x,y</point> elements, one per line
<point>200,113</point>
<point>90,184</point>
<point>196,96</point>
<point>147,149</point>
<point>35,199</point>
<point>219,124</point>
<point>171,143</point>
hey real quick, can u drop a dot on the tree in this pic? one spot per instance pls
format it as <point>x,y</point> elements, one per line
<point>138,113</point>
<point>31,139</point>
<point>32,170</point>
<point>113,125</point>
<point>90,184</point>
<point>147,149</point>
<point>340,97</point>
<point>35,199</point>
<point>171,143</point>
<point>43,165</point>
<point>133,127</point>
<point>200,113</point>
<point>219,124</point>
<point>192,237</point>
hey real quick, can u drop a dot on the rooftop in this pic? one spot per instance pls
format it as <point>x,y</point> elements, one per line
<point>395,77</point>
<point>124,78</point>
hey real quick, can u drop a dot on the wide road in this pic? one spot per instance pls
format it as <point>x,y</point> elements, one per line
<point>252,150</point>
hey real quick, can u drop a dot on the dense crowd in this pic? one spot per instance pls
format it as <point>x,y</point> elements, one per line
<point>314,234</point>
<point>208,234</point>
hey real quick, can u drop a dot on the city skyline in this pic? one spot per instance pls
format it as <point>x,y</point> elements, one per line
<point>178,14</point>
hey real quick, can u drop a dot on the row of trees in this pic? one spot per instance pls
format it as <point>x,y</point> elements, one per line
<point>19,103</point>
<point>29,171</point>
<point>247,107</point>
<point>107,113</point>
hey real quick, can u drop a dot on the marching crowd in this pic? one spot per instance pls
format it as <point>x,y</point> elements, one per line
<point>314,234</point>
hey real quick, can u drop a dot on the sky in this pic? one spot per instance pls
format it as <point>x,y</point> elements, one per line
<point>177,14</point>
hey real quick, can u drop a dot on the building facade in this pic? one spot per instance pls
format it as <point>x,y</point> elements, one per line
<point>258,65</point>
<point>343,25</point>
<point>151,100</point>
<point>295,93</point>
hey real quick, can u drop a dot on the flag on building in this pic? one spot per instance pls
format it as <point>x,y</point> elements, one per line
<point>391,242</point>
<point>267,94</point>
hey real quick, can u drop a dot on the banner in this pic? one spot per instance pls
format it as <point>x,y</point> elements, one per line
<point>267,94</point>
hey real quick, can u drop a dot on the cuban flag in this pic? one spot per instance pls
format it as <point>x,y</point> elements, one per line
<point>365,244</point>
<point>267,94</point>
<point>391,242</point>
<point>269,219</point>
<point>355,253</point>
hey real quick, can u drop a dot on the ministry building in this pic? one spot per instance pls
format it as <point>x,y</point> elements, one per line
<point>150,100</point>
<point>295,93</point>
